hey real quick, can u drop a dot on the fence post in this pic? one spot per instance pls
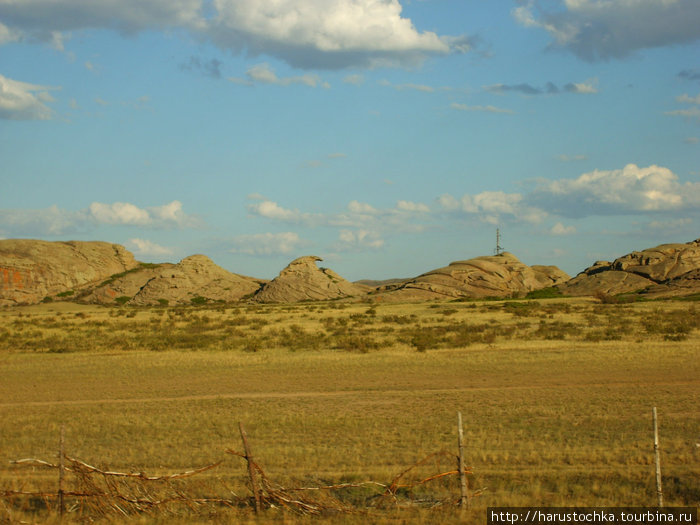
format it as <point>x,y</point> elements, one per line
<point>251,468</point>
<point>657,459</point>
<point>463,500</point>
<point>61,453</point>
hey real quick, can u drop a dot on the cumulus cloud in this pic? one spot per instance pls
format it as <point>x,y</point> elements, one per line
<point>560,229</point>
<point>54,221</point>
<point>358,240</point>
<point>617,192</point>
<point>318,34</point>
<point>24,101</point>
<point>493,207</point>
<point>123,213</point>
<point>267,243</point>
<point>145,247</point>
<point>326,33</point>
<point>604,29</point>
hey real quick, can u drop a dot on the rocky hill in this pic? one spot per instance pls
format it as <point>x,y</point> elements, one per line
<point>32,270</point>
<point>666,270</point>
<point>302,280</point>
<point>490,276</point>
<point>194,279</point>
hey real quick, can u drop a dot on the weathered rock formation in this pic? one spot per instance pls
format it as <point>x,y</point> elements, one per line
<point>121,288</point>
<point>194,278</point>
<point>490,276</point>
<point>665,270</point>
<point>31,270</point>
<point>302,280</point>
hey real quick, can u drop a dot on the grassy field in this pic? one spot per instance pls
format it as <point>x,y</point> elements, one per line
<point>556,396</point>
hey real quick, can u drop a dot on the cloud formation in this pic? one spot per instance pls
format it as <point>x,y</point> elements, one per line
<point>149,248</point>
<point>358,240</point>
<point>55,221</point>
<point>326,34</point>
<point>604,29</point>
<point>264,74</point>
<point>319,34</point>
<point>267,243</point>
<point>582,88</point>
<point>629,190</point>
<point>24,101</point>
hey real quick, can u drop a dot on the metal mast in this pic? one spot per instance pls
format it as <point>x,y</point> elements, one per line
<point>499,248</point>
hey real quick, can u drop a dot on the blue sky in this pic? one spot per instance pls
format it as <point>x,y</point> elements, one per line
<point>387,137</point>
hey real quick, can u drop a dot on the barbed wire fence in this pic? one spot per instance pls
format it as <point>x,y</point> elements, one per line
<point>93,492</point>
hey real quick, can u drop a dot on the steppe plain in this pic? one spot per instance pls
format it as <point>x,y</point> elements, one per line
<point>556,396</point>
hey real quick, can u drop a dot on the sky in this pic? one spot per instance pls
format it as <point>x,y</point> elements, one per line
<point>387,137</point>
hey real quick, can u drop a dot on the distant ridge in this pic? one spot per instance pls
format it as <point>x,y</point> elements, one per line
<point>500,275</point>
<point>32,271</point>
<point>666,270</point>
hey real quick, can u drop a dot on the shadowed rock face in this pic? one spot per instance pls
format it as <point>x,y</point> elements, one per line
<point>302,280</point>
<point>490,276</point>
<point>665,270</point>
<point>31,270</point>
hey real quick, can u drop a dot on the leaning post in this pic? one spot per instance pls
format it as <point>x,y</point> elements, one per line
<point>251,468</point>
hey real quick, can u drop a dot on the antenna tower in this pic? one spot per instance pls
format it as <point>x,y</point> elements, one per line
<point>499,248</point>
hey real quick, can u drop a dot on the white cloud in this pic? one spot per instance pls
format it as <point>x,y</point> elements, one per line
<point>264,74</point>
<point>123,213</point>
<point>43,222</point>
<point>272,210</point>
<point>486,109</point>
<point>603,29</point>
<point>318,34</point>
<point>412,206</point>
<point>687,99</point>
<point>24,101</point>
<point>361,207</point>
<point>325,33</point>
<point>493,206</point>
<point>8,35</point>
<point>145,247</point>
<point>560,229</point>
<point>355,79</point>
<point>693,112</point>
<point>267,243</point>
<point>119,213</point>
<point>670,225</point>
<point>611,192</point>
<point>354,240</point>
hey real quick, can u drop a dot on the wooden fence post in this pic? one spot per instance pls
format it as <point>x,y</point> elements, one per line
<point>657,460</point>
<point>61,453</point>
<point>251,468</point>
<point>464,499</point>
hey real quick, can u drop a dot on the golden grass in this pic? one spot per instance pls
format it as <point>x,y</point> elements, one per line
<point>556,395</point>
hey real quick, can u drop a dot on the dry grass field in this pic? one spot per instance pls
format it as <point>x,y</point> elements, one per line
<point>556,396</point>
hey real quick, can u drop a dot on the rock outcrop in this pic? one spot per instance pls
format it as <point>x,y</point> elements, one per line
<point>31,270</point>
<point>194,279</point>
<point>665,270</point>
<point>490,276</point>
<point>302,280</point>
